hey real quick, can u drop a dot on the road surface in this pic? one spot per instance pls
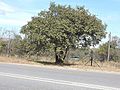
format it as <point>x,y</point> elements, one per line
<point>22,77</point>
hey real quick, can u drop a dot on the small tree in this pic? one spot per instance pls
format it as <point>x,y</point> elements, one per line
<point>114,50</point>
<point>63,27</point>
<point>16,45</point>
<point>3,45</point>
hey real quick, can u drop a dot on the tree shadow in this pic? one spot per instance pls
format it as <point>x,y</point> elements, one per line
<point>53,63</point>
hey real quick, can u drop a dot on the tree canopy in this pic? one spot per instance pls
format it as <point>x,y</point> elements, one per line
<point>61,27</point>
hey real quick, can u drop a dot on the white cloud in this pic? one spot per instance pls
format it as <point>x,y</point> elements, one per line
<point>16,19</point>
<point>13,16</point>
<point>12,22</point>
<point>5,8</point>
<point>111,18</point>
<point>10,15</point>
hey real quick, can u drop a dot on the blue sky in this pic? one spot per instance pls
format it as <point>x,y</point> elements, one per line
<point>16,13</point>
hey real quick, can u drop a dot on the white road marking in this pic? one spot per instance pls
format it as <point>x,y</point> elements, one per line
<point>70,83</point>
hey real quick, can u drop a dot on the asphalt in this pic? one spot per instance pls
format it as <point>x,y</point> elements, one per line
<point>20,77</point>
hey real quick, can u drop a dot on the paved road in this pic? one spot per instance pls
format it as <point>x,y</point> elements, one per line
<point>20,77</point>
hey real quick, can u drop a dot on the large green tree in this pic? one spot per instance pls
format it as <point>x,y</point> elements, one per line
<point>63,27</point>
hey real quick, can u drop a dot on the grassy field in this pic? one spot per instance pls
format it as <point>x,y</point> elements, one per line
<point>79,65</point>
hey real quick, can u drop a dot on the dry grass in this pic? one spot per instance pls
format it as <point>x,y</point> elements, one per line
<point>14,60</point>
<point>106,66</point>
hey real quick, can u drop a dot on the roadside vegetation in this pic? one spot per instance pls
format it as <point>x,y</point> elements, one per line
<point>63,35</point>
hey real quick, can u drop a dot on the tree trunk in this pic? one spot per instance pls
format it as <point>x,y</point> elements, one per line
<point>66,50</point>
<point>58,60</point>
<point>56,57</point>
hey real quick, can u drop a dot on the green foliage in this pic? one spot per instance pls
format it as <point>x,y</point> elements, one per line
<point>2,46</point>
<point>62,27</point>
<point>114,51</point>
<point>103,51</point>
<point>15,45</point>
